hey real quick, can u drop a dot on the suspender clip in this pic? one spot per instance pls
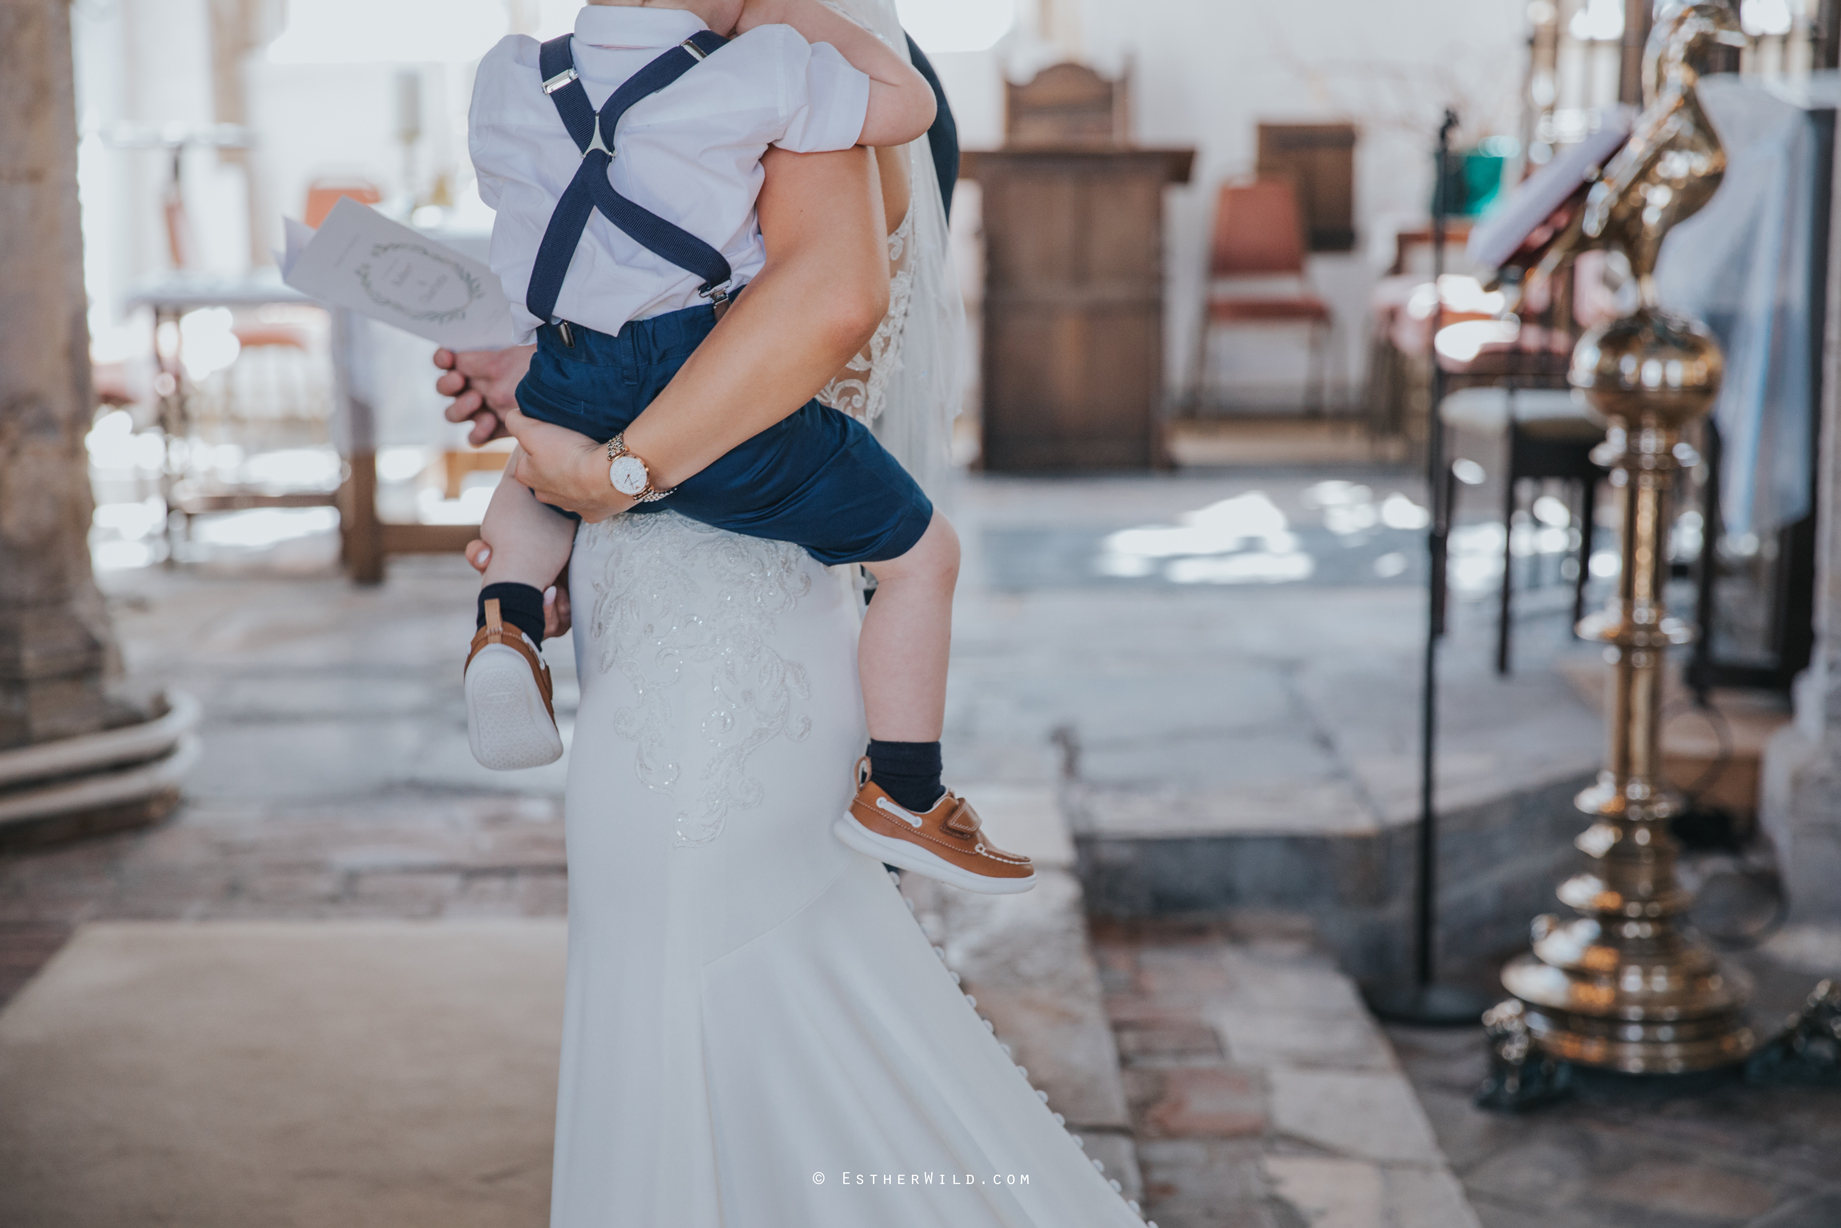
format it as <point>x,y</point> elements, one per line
<point>715,294</point>
<point>560,79</point>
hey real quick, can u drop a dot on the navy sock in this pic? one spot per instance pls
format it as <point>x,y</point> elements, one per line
<point>519,604</point>
<point>909,772</point>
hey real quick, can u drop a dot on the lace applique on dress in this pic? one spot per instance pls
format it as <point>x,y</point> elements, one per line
<point>862,386</point>
<point>653,617</point>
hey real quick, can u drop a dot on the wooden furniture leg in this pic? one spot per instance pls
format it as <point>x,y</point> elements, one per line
<point>358,523</point>
<point>1505,615</point>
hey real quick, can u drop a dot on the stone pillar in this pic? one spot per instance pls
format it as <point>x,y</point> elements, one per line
<point>56,650</point>
<point>1801,802</point>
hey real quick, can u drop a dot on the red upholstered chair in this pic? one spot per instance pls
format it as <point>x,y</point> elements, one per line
<point>323,194</point>
<point>1259,233</point>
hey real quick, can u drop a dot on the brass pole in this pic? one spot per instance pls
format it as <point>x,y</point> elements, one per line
<point>1624,985</point>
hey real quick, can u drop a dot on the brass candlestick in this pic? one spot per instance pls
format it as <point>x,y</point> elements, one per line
<point>1623,986</point>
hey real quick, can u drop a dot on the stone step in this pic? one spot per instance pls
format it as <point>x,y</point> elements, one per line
<point>1499,859</point>
<point>1258,745</point>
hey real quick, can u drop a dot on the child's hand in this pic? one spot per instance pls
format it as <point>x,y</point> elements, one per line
<point>901,103</point>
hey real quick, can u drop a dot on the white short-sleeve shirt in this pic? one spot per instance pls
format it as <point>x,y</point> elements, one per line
<point>690,153</point>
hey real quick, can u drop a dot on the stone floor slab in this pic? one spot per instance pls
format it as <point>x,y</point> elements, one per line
<point>1428,1197</point>
<point>1311,1133</point>
<point>1373,1116</point>
<point>214,1075</point>
<point>1302,1041</point>
<point>1197,1102</point>
<point>1629,1154</point>
<point>1816,1211</point>
<point>1331,1193</point>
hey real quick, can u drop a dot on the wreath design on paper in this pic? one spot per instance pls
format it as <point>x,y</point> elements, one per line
<point>422,313</point>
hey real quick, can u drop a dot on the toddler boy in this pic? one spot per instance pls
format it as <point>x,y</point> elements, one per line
<point>623,229</point>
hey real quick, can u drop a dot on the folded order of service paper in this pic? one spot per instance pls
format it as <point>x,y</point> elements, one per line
<point>361,260</point>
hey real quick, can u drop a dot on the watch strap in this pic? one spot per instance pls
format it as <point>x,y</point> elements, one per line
<point>616,448</point>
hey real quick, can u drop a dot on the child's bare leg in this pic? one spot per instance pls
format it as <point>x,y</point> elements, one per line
<point>530,544</point>
<point>907,636</point>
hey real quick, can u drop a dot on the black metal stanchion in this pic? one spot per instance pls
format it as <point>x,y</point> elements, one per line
<point>1424,1001</point>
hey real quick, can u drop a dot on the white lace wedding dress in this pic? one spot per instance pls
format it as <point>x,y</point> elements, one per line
<point>757,1033</point>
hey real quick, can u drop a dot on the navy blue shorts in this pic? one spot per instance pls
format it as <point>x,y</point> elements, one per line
<point>817,479</point>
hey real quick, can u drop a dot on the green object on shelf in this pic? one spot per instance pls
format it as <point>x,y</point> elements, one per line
<point>1482,181</point>
<point>1473,178</point>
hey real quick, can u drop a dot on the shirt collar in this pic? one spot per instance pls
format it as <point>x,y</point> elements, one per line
<point>619,25</point>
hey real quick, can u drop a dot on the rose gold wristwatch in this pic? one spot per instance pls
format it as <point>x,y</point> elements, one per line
<point>629,474</point>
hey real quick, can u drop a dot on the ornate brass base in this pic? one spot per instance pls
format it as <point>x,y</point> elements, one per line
<point>1623,986</point>
<point>1670,1041</point>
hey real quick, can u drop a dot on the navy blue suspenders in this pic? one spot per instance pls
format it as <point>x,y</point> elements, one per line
<point>590,190</point>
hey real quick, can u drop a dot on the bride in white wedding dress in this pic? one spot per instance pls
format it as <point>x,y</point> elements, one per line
<point>757,1033</point>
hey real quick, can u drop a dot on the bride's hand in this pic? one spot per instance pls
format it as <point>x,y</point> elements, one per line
<point>556,620</point>
<point>564,468</point>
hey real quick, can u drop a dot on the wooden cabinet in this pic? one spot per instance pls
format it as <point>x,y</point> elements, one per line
<point>1073,304</point>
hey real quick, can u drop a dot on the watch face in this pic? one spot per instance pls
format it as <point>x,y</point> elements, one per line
<point>628,474</point>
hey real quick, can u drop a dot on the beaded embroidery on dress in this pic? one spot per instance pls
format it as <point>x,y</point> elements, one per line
<point>660,622</point>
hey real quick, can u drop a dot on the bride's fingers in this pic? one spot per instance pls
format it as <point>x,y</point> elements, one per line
<point>555,612</point>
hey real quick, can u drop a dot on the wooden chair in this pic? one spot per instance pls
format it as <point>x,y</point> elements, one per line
<point>1067,105</point>
<point>1259,234</point>
<point>323,194</point>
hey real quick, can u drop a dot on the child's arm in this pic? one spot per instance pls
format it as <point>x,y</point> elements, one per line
<point>901,103</point>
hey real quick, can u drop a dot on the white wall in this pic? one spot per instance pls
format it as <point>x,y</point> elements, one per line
<point>142,63</point>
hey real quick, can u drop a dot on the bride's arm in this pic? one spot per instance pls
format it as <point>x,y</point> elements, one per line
<point>816,302</point>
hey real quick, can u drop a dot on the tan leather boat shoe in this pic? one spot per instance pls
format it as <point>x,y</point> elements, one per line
<point>511,719</point>
<point>946,843</point>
